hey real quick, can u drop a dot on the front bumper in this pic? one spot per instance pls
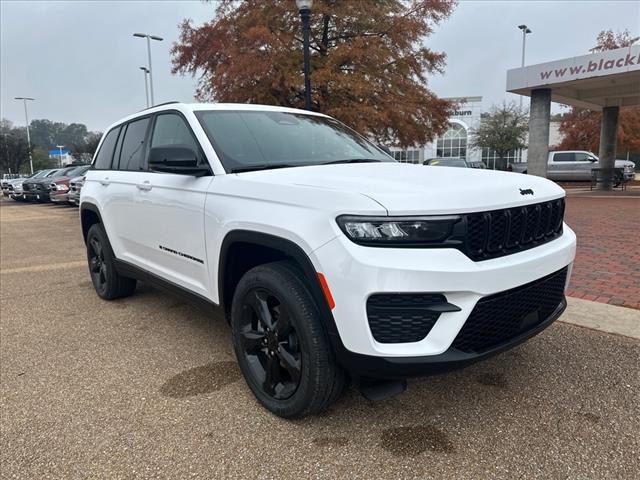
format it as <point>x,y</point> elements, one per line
<point>59,197</point>
<point>369,366</point>
<point>74,198</point>
<point>354,273</point>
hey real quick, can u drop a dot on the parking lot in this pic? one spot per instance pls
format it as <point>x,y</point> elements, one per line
<point>148,387</point>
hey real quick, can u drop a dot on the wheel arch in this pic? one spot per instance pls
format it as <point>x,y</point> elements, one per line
<point>233,263</point>
<point>89,216</point>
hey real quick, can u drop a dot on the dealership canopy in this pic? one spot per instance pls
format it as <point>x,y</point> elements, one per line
<point>601,81</point>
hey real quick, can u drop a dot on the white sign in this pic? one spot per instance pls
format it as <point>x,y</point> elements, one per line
<point>598,64</point>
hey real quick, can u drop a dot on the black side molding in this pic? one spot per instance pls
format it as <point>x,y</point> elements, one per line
<point>132,271</point>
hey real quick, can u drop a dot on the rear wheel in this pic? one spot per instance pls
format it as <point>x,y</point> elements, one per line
<point>108,284</point>
<point>280,343</point>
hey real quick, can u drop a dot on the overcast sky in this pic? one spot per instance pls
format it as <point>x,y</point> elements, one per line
<point>80,62</point>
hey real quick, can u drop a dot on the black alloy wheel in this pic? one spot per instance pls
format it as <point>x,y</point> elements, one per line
<point>270,343</point>
<point>108,283</point>
<point>97,265</point>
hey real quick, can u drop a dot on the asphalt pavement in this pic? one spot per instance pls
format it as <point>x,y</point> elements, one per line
<point>148,387</point>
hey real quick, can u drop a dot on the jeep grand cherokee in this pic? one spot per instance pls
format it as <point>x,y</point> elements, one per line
<point>330,260</point>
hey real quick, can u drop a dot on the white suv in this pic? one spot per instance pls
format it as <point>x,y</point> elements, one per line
<point>330,260</point>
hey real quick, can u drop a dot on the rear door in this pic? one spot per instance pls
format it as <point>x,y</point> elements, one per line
<point>126,172</point>
<point>168,213</point>
<point>560,166</point>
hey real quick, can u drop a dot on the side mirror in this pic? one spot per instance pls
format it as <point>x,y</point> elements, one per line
<point>179,159</point>
<point>593,159</point>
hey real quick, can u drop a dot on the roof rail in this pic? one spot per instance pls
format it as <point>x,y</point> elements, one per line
<point>159,105</point>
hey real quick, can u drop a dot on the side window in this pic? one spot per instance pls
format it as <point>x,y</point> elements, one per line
<point>563,157</point>
<point>105,155</point>
<point>171,129</point>
<point>582,157</point>
<point>133,147</point>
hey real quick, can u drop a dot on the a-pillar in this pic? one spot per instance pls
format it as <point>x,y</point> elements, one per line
<point>539,116</point>
<point>608,140</point>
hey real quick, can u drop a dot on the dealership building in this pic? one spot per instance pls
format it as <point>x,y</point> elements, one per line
<point>454,142</point>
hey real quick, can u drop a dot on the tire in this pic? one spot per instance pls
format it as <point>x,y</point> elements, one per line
<point>108,284</point>
<point>277,328</point>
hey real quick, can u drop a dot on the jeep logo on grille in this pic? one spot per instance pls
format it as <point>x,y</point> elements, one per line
<point>526,191</point>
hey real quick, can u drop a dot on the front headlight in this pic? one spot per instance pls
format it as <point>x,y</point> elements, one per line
<point>399,231</point>
<point>61,187</point>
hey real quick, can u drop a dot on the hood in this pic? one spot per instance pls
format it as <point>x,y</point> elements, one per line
<point>407,189</point>
<point>624,163</point>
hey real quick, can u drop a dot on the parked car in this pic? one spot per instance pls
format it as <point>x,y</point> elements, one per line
<point>446,162</point>
<point>75,187</point>
<point>330,259</point>
<point>574,165</point>
<point>60,186</point>
<point>31,189</point>
<point>39,189</point>
<point>5,181</point>
<point>476,164</point>
<point>9,184</point>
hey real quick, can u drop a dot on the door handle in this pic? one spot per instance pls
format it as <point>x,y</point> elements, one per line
<point>105,181</point>
<point>144,186</point>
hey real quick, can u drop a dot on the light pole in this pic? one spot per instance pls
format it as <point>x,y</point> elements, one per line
<point>60,147</point>
<point>525,30</point>
<point>304,7</point>
<point>26,118</point>
<point>146,89</point>
<point>149,38</point>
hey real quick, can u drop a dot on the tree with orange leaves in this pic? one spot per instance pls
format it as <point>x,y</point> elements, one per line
<point>369,65</point>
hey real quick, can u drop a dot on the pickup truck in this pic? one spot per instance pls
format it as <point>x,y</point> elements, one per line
<point>574,165</point>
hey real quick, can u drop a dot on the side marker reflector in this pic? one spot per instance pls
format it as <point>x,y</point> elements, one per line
<point>326,291</point>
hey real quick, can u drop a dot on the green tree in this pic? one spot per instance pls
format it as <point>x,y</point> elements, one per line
<point>41,159</point>
<point>369,61</point>
<point>503,130</point>
<point>14,151</point>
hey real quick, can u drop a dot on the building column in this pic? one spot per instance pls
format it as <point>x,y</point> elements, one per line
<point>608,141</point>
<point>539,117</point>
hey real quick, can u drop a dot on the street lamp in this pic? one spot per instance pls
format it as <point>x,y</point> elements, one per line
<point>304,7</point>
<point>146,89</point>
<point>60,147</point>
<point>149,38</point>
<point>26,118</point>
<point>525,30</point>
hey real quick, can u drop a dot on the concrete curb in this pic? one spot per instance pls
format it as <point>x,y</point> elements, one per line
<point>602,317</point>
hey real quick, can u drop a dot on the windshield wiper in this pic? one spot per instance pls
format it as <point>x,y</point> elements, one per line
<point>353,160</point>
<point>261,166</point>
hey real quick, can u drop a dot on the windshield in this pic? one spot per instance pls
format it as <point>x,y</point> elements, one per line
<point>41,173</point>
<point>77,171</point>
<point>448,162</point>
<point>251,140</point>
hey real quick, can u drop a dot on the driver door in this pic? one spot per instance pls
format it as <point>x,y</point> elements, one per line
<point>170,209</point>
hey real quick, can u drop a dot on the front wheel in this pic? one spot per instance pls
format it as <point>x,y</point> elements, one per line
<point>280,343</point>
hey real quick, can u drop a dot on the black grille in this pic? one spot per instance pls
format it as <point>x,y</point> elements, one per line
<point>505,315</point>
<point>26,187</point>
<point>503,232</point>
<point>402,317</point>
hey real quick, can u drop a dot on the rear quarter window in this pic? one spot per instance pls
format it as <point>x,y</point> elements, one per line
<point>133,146</point>
<point>105,154</point>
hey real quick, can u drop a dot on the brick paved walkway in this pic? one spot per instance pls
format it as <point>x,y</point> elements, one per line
<point>607,266</point>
